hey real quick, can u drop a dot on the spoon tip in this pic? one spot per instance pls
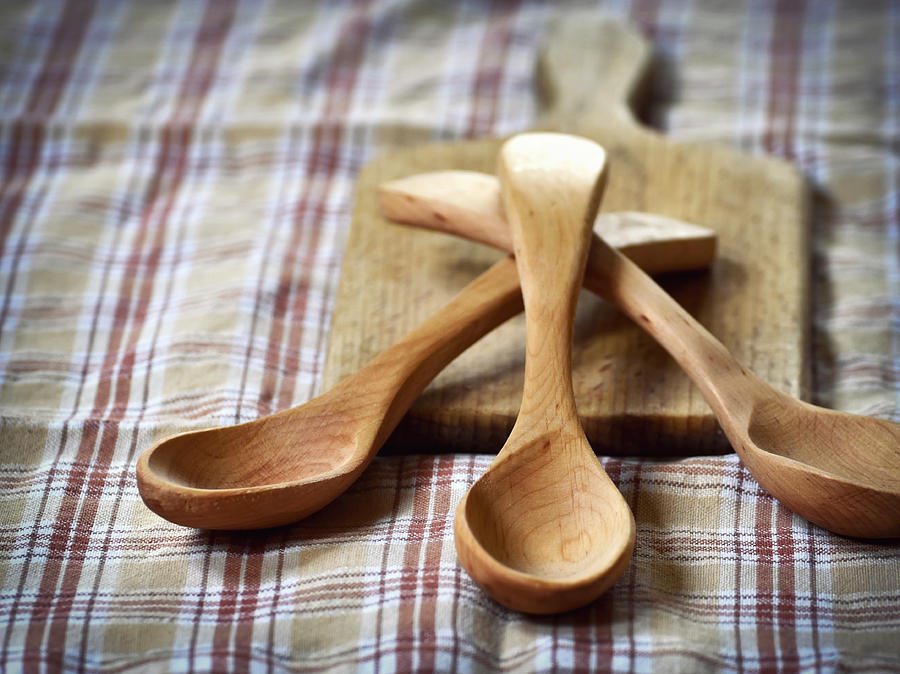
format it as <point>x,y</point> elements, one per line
<point>563,576</point>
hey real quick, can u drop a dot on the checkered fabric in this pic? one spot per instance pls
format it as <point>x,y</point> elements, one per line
<point>176,190</point>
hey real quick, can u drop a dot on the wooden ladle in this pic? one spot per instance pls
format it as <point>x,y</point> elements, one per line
<point>283,467</point>
<point>545,530</point>
<point>838,470</point>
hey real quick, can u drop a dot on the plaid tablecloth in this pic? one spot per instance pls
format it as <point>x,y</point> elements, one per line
<point>176,189</point>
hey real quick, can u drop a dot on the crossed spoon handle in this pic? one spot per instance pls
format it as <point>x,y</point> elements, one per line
<point>285,466</point>
<point>838,470</point>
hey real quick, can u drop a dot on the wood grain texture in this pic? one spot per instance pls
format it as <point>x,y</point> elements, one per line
<point>632,398</point>
<point>285,466</point>
<point>545,530</point>
<point>467,204</point>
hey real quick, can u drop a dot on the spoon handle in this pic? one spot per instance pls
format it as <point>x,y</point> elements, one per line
<point>467,206</point>
<point>724,383</point>
<point>551,200</point>
<point>468,203</point>
<point>405,368</point>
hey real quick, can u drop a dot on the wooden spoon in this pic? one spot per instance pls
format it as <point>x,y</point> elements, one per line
<point>545,530</point>
<point>468,201</point>
<point>283,467</point>
<point>838,470</point>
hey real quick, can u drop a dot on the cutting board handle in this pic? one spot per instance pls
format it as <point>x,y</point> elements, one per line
<point>590,73</point>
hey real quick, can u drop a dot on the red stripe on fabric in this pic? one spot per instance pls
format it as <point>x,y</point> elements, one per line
<point>53,163</point>
<point>632,572</point>
<point>382,581</point>
<point>765,583</point>
<point>243,636</point>
<point>201,598</point>
<point>80,535</point>
<point>150,266</point>
<point>784,64</point>
<point>10,180</point>
<point>34,637</point>
<point>185,110</point>
<point>787,609</point>
<point>18,174</point>
<point>68,38</point>
<point>407,630</point>
<point>289,318</point>
<point>255,316</point>
<point>46,90</point>
<point>231,587</point>
<point>581,637</point>
<point>587,634</point>
<point>603,645</point>
<point>343,70</point>
<point>738,557</point>
<point>279,574</point>
<point>494,49</point>
<point>437,533</point>
<point>133,268</point>
<point>813,593</point>
<point>458,572</point>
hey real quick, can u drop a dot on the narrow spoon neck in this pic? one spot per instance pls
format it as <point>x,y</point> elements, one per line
<point>398,375</point>
<point>728,387</point>
<point>548,398</point>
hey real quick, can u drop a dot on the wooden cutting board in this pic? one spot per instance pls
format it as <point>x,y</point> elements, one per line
<point>631,396</point>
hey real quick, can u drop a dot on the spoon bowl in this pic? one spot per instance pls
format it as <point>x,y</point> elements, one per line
<point>237,477</point>
<point>839,470</point>
<point>553,558</point>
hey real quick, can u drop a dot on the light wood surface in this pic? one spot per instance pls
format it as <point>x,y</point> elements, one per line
<point>632,398</point>
<point>545,530</point>
<point>467,203</point>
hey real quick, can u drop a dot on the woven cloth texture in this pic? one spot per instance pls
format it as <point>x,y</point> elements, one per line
<point>177,182</point>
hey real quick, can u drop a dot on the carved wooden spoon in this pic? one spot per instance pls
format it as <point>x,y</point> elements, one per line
<point>838,470</point>
<point>545,530</point>
<point>283,467</point>
<point>468,203</point>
